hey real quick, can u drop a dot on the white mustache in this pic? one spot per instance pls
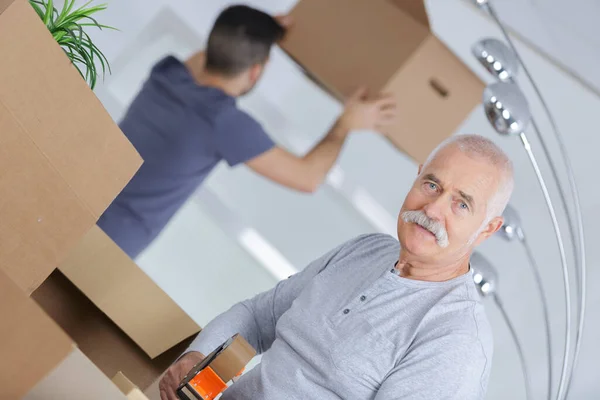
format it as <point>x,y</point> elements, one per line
<point>433,226</point>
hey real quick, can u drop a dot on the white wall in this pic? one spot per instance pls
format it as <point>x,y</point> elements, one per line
<point>565,30</point>
<point>301,227</point>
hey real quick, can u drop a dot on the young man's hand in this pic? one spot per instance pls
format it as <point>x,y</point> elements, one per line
<point>172,378</point>
<point>284,20</point>
<point>368,113</point>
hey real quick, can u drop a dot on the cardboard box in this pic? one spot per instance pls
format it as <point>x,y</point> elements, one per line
<point>76,378</point>
<point>115,313</point>
<point>31,344</point>
<point>128,388</point>
<point>386,45</point>
<point>39,360</point>
<point>63,159</point>
<point>129,297</point>
<point>98,337</point>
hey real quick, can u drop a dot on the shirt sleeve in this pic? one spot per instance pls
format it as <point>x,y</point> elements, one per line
<point>255,319</point>
<point>240,138</point>
<point>449,367</point>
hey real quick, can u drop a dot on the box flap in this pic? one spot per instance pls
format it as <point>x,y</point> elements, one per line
<point>76,378</point>
<point>128,388</point>
<point>415,8</point>
<point>118,287</point>
<point>59,112</point>
<point>346,43</point>
<point>152,392</point>
<point>4,4</point>
<point>124,384</point>
<point>98,337</point>
<point>63,159</point>
<point>31,344</point>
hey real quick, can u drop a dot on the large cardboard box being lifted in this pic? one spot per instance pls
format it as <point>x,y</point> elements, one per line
<point>62,158</point>
<point>386,45</point>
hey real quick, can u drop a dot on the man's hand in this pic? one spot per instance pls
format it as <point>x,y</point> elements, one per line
<point>172,378</point>
<point>284,20</point>
<point>368,113</point>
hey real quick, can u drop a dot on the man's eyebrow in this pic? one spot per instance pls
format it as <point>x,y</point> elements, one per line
<point>468,198</point>
<point>433,178</point>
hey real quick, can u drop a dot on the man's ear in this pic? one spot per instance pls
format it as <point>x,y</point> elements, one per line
<point>255,72</point>
<point>492,227</point>
<point>420,169</point>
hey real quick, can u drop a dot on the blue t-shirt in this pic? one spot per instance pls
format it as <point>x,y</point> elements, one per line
<point>181,130</point>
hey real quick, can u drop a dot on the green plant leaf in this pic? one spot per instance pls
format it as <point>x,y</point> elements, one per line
<point>68,29</point>
<point>98,54</point>
<point>100,26</point>
<point>67,7</point>
<point>38,9</point>
<point>48,14</point>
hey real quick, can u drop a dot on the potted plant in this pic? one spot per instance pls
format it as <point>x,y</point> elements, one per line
<point>68,29</point>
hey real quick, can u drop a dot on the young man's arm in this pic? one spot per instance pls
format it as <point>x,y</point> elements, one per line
<point>308,172</point>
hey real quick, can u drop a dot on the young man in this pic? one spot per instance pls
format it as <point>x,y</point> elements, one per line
<point>185,121</point>
<point>378,318</point>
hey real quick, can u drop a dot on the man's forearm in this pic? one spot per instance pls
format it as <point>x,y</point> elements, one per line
<point>255,319</point>
<point>238,319</point>
<point>322,157</point>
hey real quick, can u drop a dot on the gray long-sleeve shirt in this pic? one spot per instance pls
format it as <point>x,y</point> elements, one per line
<point>349,327</point>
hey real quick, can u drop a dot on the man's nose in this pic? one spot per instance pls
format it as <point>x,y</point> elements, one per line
<point>436,209</point>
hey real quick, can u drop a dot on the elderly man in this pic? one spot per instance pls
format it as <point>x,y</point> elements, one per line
<point>376,318</point>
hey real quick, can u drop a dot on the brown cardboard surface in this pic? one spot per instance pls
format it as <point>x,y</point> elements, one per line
<point>118,287</point>
<point>430,115</point>
<point>344,43</point>
<point>4,4</point>
<point>63,159</point>
<point>128,388</point>
<point>415,8</point>
<point>233,359</point>
<point>100,339</point>
<point>387,46</point>
<point>136,394</point>
<point>31,344</point>
<point>76,378</point>
<point>152,392</point>
<point>123,383</point>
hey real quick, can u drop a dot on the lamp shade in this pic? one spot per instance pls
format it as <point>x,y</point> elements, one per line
<point>497,58</point>
<point>485,275</point>
<point>511,227</point>
<point>506,108</point>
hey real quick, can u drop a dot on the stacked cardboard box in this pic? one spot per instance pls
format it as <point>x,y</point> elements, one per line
<point>388,46</point>
<point>74,309</point>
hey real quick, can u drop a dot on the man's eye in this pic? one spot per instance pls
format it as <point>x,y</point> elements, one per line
<point>432,186</point>
<point>464,206</point>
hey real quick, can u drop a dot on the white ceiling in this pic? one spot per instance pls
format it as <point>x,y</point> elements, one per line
<point>565,31</point>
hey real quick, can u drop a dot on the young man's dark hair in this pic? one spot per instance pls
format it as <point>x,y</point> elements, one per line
<point>241,37</point>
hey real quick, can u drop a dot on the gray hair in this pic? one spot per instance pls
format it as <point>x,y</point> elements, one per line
<point>479,147</point>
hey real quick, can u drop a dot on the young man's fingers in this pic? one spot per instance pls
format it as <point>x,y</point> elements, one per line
<point>388,114</point>
<point>359,94</point>
<point>284,20</point>
<point>387,102</point>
